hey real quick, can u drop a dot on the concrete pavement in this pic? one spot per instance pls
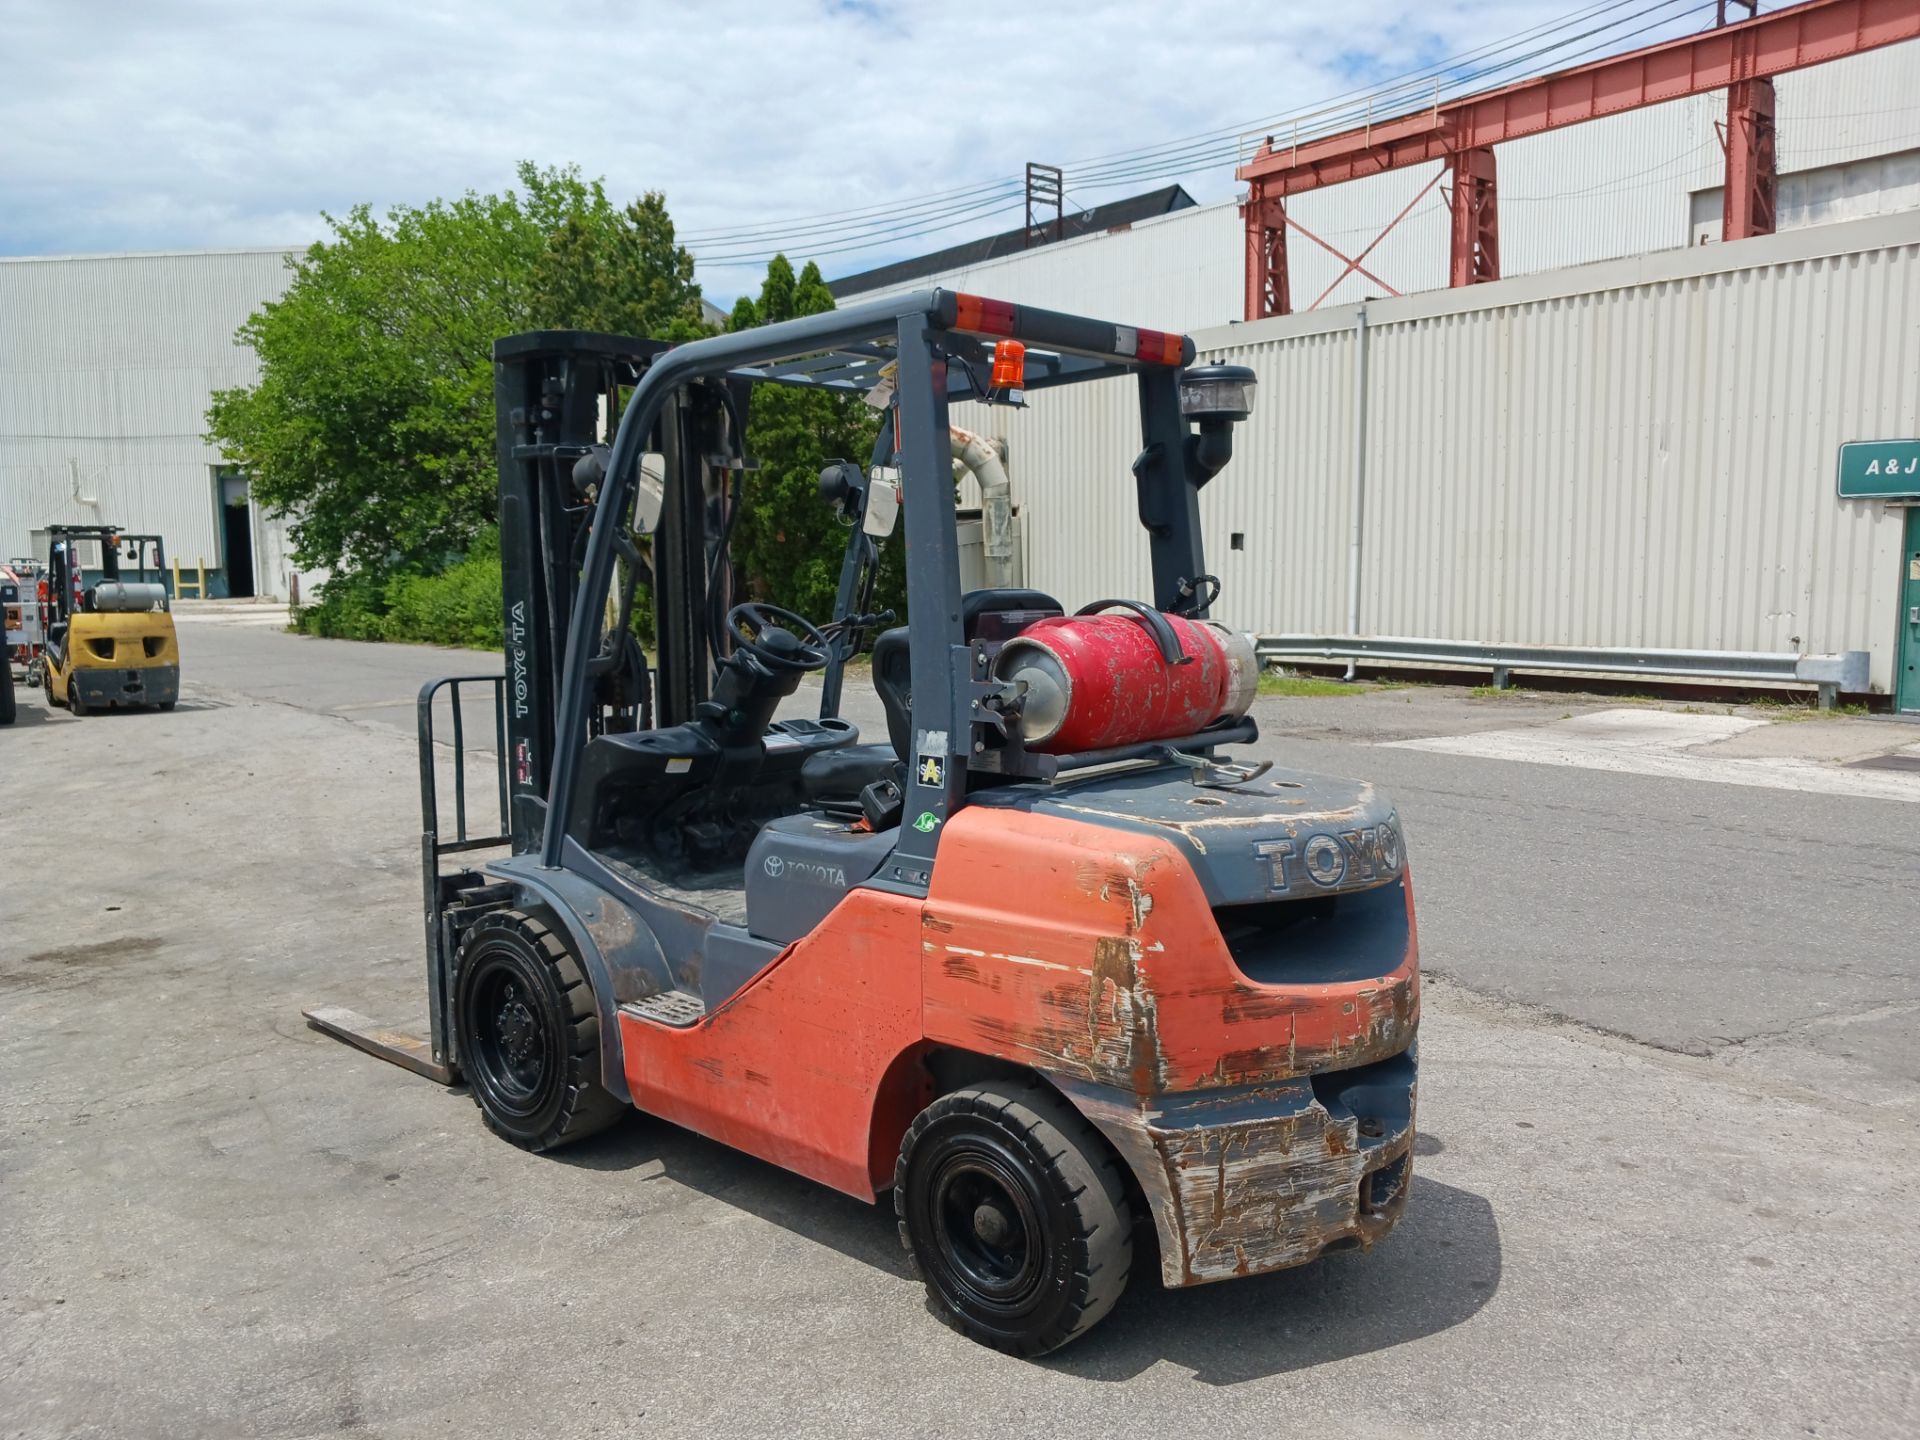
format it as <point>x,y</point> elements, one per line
<point>220,1223</point>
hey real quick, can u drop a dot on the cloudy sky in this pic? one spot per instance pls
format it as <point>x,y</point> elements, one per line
<point>158,124</point>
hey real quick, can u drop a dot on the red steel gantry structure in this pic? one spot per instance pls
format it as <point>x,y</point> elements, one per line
<point>1740,58</point>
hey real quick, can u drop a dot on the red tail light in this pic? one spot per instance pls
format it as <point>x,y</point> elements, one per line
<point>1157,347</point>
<point>981,316</point>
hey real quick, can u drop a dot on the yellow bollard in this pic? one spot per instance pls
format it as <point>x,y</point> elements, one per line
<point>199,583</point>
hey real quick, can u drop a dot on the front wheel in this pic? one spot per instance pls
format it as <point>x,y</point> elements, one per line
<point>1015,1215</point>
<point>529,1034</point>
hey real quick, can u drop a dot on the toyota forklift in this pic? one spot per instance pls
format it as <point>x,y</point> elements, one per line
<point>110,641</point>
<point>1045,967</point>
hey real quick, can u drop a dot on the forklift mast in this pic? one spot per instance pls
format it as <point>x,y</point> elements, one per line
<point>65,572</point>
<point>558,396</point>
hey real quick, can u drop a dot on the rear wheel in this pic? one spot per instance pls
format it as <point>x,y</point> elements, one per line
<point>75,703</point>
<point>529,1034</point>
<point>1015,1215</point>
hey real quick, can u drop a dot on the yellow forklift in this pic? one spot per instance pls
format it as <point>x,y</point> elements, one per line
<point>109,641</point>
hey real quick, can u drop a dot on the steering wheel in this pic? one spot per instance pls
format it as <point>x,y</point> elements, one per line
<point>778,639</point>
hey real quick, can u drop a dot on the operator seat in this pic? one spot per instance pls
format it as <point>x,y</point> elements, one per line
<point>993,614</point>
<point>836,777</point>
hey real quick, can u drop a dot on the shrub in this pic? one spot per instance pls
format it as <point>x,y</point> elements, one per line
<point>459,605</point>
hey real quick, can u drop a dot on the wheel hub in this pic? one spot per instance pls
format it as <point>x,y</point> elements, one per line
<point>519,1031</point>
<point>992,1224</point>
<point>987,1228</point>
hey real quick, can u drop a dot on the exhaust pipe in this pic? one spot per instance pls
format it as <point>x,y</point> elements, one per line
<point>996,501</point>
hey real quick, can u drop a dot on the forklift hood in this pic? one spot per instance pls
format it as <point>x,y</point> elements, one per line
<point>1285,835</point>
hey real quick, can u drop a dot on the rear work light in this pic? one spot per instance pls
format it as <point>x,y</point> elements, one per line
<point>1224,391</point>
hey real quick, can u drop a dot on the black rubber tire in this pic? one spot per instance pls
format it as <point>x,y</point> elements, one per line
<point>46,684</point>
<point>1068,1213</point>
<point>75,705</point>
<point>8,704</point>
<point>166,705</point>
<point>528,1034</point>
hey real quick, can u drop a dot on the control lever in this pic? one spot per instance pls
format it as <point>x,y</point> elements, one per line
<point>860,622</point>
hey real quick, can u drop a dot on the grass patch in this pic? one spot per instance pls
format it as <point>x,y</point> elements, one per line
<point>1789,711</point>
<point>1275,682</point>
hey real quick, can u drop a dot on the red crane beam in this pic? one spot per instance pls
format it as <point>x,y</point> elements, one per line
<point>1791,39</point>
<point>1740,58</point>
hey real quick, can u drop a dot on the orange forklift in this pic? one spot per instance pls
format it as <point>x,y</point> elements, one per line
<point>1045,967</point>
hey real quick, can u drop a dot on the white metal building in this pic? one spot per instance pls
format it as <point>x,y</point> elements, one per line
<point>107,364</point>
<point>1637,453</point>
<point>1628,442</point>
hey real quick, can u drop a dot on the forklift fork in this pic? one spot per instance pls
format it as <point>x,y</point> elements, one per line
<point>451,899</point>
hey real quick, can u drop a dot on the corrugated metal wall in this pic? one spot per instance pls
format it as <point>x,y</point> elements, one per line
<point>107,365</point>
<point>1599,191</point>
<point>1634,453</point>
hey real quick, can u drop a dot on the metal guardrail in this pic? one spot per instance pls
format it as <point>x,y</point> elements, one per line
<point>1830,674</point>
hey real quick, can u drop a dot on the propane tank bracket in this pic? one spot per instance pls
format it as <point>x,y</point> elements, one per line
<point>1156,623</point>
<point>1216,774</point>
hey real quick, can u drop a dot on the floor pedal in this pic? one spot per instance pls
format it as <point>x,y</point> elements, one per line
<point>669,1007</point>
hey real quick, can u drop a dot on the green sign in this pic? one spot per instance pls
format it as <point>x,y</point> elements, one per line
<point>1880,470</point>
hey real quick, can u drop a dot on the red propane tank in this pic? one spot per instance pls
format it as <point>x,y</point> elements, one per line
<point>1097,681</point>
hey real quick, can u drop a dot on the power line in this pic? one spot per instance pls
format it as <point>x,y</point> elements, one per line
<point>845,232</point>
<point>851,220</point>
<point>910,230</point>
<point>1389,84</point>
<point>790,224</point>
<point>1346,119</point>
<point>840,229</point>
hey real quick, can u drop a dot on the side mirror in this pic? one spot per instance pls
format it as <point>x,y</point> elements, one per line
<point>649,493</point>
<point>839,482</point>
<point>883,502</point>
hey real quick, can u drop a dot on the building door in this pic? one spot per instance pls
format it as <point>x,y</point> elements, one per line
<point>236,533</point>
<point>1906,679</point>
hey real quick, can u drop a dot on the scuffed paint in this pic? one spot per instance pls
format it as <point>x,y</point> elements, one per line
<point>1134,983</point>
<point>1200,1077</point>
<point>1258,1180</point>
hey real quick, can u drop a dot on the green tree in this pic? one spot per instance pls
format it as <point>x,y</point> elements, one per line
<point>787,542</point>
<point>619,271</point>
<point>372,421</point>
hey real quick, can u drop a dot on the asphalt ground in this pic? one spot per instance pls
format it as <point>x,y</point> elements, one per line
<point>1666,1185</point>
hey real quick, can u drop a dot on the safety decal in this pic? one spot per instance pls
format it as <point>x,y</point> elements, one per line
<point>931,770</point>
